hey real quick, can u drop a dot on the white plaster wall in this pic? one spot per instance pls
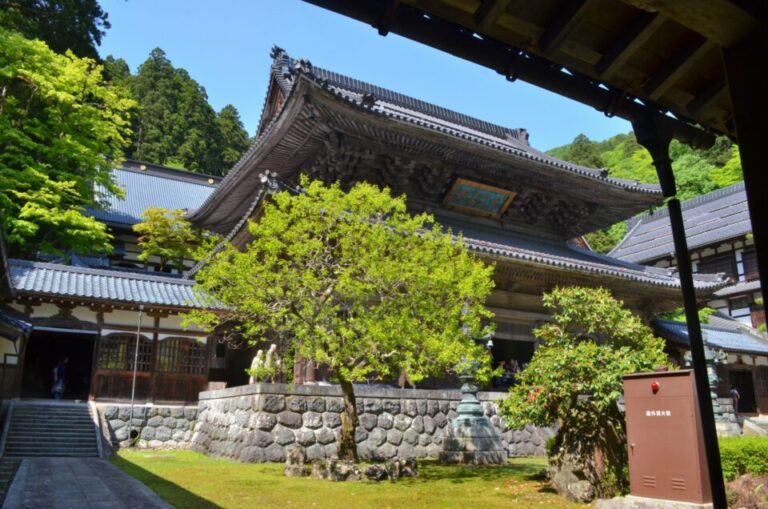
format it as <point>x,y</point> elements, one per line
<point>84,314</point>
<point>44,310</point>
<point>174,322</point>
<point>128,318</point>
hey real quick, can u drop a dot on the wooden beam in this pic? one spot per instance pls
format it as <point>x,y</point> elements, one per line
<point>743,64</point>
<point>707,97</point>
<point>489,12</point>
<point>721,21</point>
<point>564,23</point>
<point>633,38</point>
<point>676,67</point>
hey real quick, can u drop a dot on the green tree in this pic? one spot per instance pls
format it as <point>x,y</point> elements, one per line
<point>575,379</point>
<point>175,124</point>
<point>167,235</point>
<point>60,124</point>
<point>355,283</point>
<point>606,239</point>
<point>76,25</point>
<point>234,138</point>
<point>585,152</point>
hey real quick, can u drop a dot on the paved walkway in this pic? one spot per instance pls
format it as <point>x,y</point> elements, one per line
<point>82,483</point>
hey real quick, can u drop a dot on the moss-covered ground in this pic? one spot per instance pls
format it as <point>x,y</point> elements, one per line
<point>190,480</point>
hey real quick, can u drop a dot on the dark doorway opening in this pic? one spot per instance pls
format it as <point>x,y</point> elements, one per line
<point>43,352</point>
<point>743,382</point>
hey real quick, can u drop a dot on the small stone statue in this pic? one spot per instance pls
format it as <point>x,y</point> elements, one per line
<point>294,463</point>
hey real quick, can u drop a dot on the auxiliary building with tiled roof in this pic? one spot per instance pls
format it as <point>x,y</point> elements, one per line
<point>718,229</point>
<point>94,308</point>
<point>144,185</point>
<point>514,205</point>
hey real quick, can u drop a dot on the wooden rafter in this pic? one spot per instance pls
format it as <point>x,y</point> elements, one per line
<point>563,25</point>
<point>676,67</point>
<point>721,21</point>
<point>709,95</point>
<point>633,38</point>
<point>489,12</point>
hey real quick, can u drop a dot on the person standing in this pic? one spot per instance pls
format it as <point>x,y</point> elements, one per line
<point>60,379</point>
<point>735,397</point>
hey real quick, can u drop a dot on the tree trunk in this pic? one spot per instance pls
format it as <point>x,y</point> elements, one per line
<point>347,445</point>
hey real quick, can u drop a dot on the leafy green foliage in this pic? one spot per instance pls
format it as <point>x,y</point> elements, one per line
<point>696,171</point>
<point>743,455</point>
<point>585,152</point>
<point>174,125</point>
<point>575,378</point>
<point>60,123</point>
<point>678,314</point>
<point>234,138</point>
<point>75,25</point>
<point>606,239</point>
<point>167,235</point>
<point>352,281</point>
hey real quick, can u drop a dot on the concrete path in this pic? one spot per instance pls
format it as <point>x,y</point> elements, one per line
<point>81,483</point>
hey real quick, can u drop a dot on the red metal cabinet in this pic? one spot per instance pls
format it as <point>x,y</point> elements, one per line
<point>666,446</point>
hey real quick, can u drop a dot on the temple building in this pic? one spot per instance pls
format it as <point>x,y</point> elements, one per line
<point>514,205</point>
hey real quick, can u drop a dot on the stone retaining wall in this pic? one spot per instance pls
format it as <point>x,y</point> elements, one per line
<point>256,423</point>
<point>158,426</point>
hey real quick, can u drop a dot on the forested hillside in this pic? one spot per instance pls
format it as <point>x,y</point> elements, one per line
<point>696,171</point>
<point>173,123</point>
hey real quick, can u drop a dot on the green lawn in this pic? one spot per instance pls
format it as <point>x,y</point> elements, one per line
<point>191,480</point>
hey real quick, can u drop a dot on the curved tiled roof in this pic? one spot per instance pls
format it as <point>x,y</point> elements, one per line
<point>65,281</point>
<point>297,79</point>
<point>402,107</point>
<point>729,339</point>
<point>518,247</point>
<point>166,188</point>
<point>709,218</point>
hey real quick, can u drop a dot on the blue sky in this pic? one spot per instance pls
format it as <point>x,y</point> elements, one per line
<point>225,46</point>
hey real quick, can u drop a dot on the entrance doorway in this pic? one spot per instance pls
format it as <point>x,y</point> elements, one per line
<point>45,348</point>
<point>743,382</point>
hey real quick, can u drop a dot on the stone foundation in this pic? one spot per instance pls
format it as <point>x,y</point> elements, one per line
<point>257,423</point>
<point>158,426</point>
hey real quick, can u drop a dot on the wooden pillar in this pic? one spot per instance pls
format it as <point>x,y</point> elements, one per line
<point>309,376</point>
<point>298,370</point>
<point>656,139</point>
<point>745,70</point>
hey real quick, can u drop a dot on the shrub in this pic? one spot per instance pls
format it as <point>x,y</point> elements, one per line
<point>743,455</point>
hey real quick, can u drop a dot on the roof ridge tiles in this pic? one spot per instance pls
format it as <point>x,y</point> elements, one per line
<point>692,202</point>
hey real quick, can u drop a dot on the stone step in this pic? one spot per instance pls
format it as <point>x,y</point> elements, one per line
<point>80,439</point>
<point>20,451</point>
<point>51,430</point>
<point>52,454</point>
<point>45,429</point>
<point>49,455</point>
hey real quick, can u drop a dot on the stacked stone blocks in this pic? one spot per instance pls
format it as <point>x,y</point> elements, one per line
<point>258,423</point>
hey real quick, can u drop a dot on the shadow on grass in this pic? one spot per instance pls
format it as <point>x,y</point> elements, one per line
<point>433,471</point>
<point>168,491</point>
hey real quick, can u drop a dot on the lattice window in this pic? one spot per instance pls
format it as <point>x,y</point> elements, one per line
<point>720,263</point>
<point>761,381</point>
<point>186,356</point>
<point>117,351</point>
<point>749,258</point>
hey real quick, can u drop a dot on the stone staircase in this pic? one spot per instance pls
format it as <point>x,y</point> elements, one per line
<point>50,429</point>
